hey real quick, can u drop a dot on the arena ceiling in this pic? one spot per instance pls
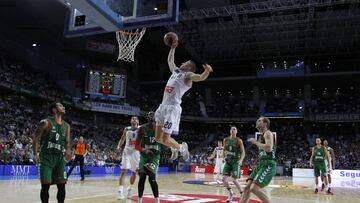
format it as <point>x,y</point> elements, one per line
<point>271,29</point>
<point>218,31</point>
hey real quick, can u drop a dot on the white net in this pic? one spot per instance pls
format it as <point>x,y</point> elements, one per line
<point>128,40</point>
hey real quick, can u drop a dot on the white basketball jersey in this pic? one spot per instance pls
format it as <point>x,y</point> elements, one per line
<point>219,152</point>
<point>175,88</point>
<point>131,135</point>
<point>329,153</point>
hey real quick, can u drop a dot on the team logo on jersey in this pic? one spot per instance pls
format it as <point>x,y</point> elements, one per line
<point>188,198</point>
<point>169,89</point>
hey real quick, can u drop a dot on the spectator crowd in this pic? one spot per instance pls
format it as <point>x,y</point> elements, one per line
<point>19,116</point>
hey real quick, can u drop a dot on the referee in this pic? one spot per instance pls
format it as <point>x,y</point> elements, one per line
<point>80,152</point>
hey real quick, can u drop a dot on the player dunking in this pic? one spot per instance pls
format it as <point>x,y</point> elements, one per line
<point>218,154</point>
<point>167,116</point>
<point>266,167</point>
<point>130,156</point>
<point>330,165</point>
<point>149,157</point>
<point>318,157</point>
<point>234,156</point>
<point>54,134</point>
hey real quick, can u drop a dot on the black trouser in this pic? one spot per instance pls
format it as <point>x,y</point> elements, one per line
<point>44,193</point>
<point>80,159</point>
<point>152,181</point>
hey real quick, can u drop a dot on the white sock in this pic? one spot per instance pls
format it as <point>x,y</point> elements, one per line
<point>329,185</point>
<point>121,188</point>
<point>216,178</point>
<point>181,148</point>
<point>157,200</point>
<point>139,200</point>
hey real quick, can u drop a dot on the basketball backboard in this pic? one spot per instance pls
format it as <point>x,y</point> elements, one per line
<point>89,17</point>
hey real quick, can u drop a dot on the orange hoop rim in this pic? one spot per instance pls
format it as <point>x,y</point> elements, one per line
<point>132,33</point>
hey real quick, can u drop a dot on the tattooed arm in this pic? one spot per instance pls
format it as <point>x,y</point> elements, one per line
<point>36,135</point>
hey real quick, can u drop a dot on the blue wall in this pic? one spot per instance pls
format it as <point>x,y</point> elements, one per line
<point>23,170</point>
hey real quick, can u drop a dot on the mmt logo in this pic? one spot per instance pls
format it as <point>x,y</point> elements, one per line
<point>18,170</point>
<point>109,170</point>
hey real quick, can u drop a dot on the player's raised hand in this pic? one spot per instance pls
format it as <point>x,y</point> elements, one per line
<point>251,140</point>
<point>174,44</point>
<point>68,156</point>
<point>207,67</point>
<point>36,159</point>
<point>119,148</point>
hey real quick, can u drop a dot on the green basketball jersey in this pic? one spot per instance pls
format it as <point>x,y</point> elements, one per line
<point>232,149</point>
<point>55,140</point>
<point>263,155</point>
<point>148,141</point>
<point>319,154</point>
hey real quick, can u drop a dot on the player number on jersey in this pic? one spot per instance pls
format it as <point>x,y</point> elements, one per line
<point>57,136</point>
<point>152,139</point>
<point>167,125</point>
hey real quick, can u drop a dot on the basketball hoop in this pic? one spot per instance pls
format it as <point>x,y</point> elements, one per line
<point>128,40</point>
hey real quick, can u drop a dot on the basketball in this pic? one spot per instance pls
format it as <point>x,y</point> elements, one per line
<point>170,38</point>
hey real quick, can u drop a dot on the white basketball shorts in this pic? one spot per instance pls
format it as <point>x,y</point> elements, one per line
<point>219,165</point>
<point>328,169</point>
<point>130,159</point>
<point>168,116</point>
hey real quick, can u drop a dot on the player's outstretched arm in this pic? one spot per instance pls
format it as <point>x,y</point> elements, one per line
<point>200,77</point>
<point>68,144</point>
<point>122,139</point>
<point>333,158</point>
<point>312,156</point>
<point>86,150</point>
<point>212,155</point>
<point>269,142</point>
<point>326,157</point>
<point>36,135</point>
<point>138,140</point>
<point>224,146</point>
<point>242,149</point>
<point>171,59</point>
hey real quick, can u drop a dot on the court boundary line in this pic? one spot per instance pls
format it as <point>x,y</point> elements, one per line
<point>87,197</point>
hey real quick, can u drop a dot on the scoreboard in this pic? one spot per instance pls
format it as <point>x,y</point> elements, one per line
<point>103,81</point>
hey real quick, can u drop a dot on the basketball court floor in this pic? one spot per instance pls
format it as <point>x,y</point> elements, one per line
<point>175,187</point>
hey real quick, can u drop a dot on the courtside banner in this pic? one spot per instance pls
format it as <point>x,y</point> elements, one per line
<point>202,169</point>
<point>112,108</point>
<point>336,174</point>
<point>25,170</point>
<point>210,169</point>
<point>19,170</point>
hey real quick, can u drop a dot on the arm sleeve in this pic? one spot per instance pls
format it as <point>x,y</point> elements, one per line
<point>138,140</point>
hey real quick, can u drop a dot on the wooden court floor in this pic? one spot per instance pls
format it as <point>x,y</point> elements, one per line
<point>173,189</point>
